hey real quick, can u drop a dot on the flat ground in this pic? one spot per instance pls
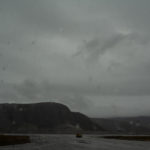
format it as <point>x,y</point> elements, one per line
<point>70,142</point>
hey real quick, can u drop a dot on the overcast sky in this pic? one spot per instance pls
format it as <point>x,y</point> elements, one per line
<point>92,55</point>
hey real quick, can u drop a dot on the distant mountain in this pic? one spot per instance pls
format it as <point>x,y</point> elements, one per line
<point>125,125</point>
<point>42,118</point>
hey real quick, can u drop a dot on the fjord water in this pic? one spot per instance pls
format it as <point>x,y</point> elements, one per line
<point>70,142</point>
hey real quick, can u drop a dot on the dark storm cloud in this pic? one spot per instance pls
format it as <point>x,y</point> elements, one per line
<point>75,51</point>
<point>95,47</point>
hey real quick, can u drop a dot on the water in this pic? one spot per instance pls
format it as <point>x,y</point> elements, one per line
<point>70,142</point>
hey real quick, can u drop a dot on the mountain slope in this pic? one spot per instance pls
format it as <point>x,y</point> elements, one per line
<point>125,125</point>
<point>41,117</point>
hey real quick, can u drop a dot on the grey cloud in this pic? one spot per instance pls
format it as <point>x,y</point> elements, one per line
<point>97,46</point>
<point>30,91</point>
<point>70,51</point>
<point>110,43</point>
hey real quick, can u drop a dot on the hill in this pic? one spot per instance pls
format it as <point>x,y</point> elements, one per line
<point>42,118</point>
<point>125,125</point>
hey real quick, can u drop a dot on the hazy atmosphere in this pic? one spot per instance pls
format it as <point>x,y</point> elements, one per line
<point>91,55</point>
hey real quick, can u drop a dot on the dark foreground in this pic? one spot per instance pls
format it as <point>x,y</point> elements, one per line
<point>14,139</point>
<point>70,142</point>
<point>129,138</point>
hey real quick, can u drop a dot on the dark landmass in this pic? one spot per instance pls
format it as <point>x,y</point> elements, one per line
<point>125,125</point>
<point>13,139</point>
<point>57,118</point>
<point>42,118</point>
<point>129,138</point>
